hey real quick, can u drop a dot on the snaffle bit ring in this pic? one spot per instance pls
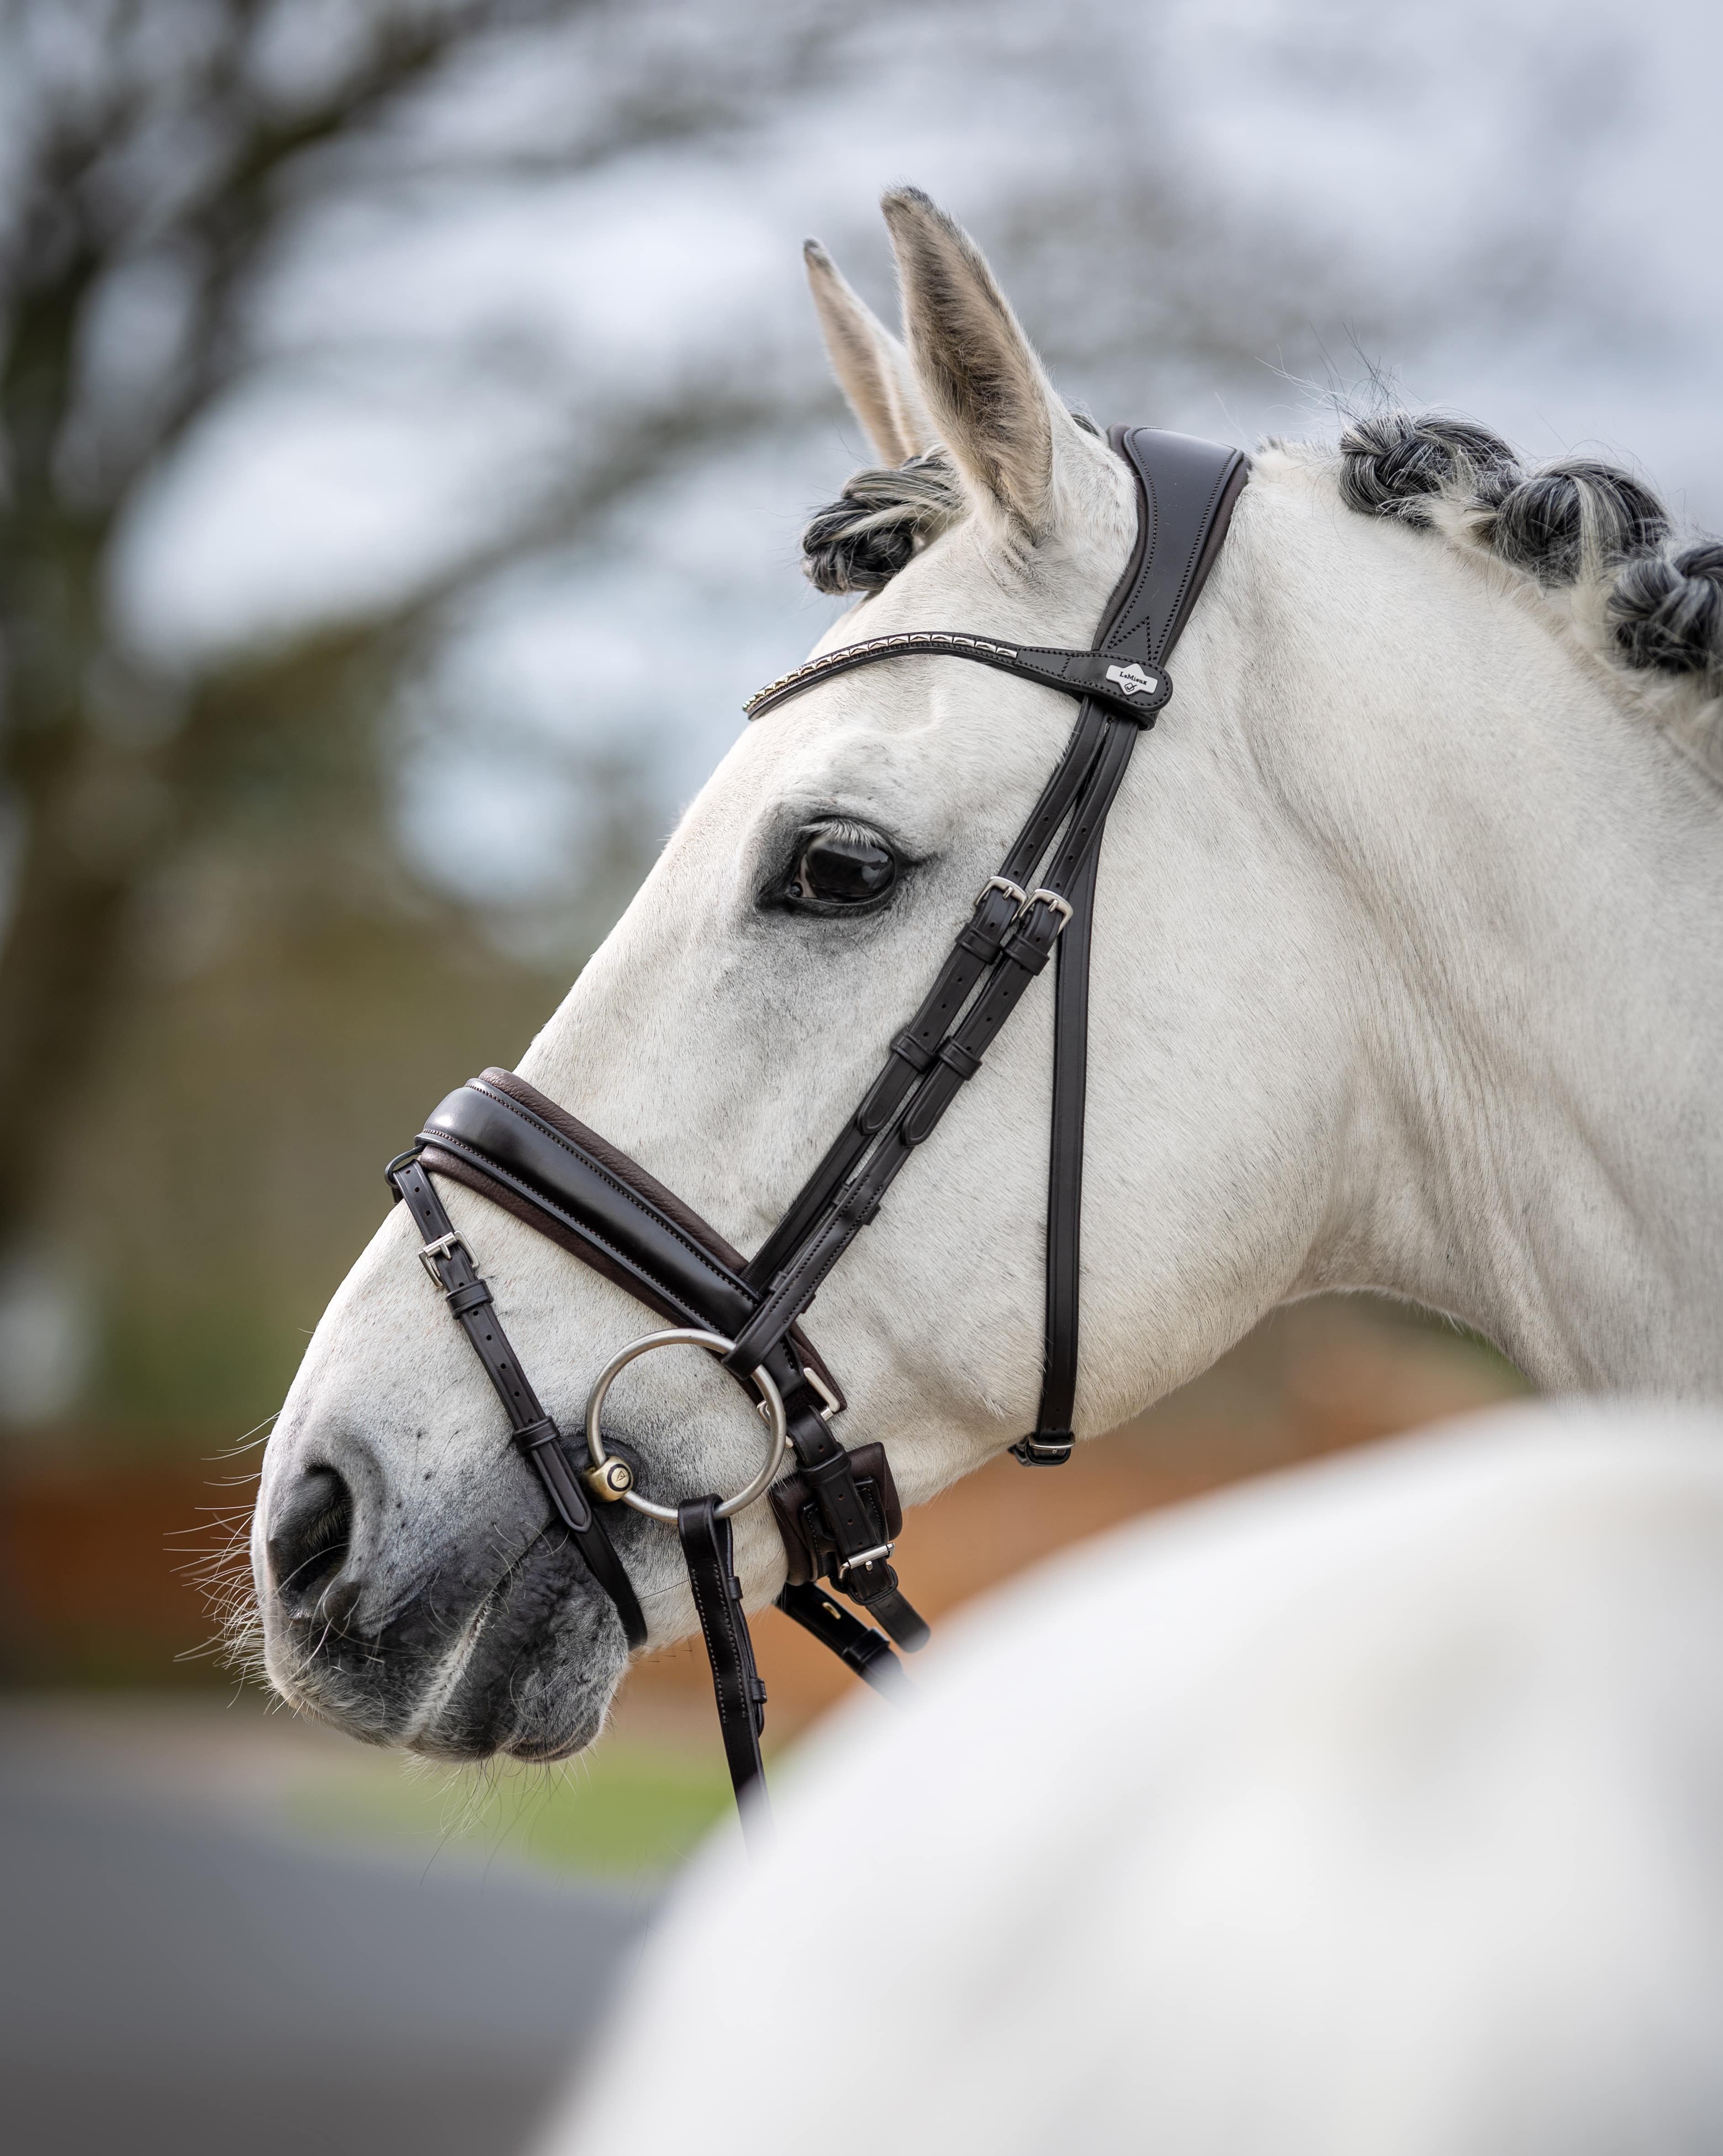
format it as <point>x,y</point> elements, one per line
<point>770,1399</point>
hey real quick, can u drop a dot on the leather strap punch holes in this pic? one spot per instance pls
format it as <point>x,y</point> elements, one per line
<point>837,1513</point>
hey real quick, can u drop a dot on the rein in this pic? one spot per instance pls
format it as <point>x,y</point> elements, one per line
<point>837,1512</point>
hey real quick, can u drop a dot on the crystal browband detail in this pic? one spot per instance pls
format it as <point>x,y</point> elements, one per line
<point>1127,689</point>
<point>879,647</point>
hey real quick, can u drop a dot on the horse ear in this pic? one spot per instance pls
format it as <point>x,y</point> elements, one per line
<point>987,393</point>
<point>872,367</point>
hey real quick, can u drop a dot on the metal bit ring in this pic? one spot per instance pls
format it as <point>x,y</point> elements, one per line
<point>771,1400</point>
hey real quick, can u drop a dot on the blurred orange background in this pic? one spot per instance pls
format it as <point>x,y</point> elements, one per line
<point>100,1560</point>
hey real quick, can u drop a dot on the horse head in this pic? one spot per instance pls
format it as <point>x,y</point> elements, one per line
<point>1362,893</point>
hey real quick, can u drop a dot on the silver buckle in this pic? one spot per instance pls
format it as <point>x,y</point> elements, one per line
<point>846,1565</point>
<point>816,1384</point>
<point>430,1252</point>
<point>1004,883</point>
<point>833,1403</point>
<point>1063,906</point>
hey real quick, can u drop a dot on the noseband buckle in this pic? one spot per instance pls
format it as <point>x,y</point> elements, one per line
<point>445,1246</point>
<point>863,1559</point>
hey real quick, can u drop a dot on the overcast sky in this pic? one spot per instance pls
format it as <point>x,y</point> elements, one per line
<point>1208,212</point>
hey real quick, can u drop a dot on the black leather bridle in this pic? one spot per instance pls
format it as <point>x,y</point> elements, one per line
<point>837,1512</point>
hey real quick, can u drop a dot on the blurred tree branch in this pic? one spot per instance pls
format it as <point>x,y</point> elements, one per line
<point>157,135</point>
<point>186,148</point>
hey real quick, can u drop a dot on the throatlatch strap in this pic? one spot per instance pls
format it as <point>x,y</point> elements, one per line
<point>1186,490</point>
<point>707,1550</point>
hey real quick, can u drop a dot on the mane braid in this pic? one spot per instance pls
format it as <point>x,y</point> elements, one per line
<point>1667,611</point>
<point>1397,463</point>
<point>1574,523</point>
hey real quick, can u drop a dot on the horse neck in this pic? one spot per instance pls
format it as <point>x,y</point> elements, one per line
<point>1530,878</point>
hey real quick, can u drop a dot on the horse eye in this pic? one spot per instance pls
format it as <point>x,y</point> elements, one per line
<point>841,864</point>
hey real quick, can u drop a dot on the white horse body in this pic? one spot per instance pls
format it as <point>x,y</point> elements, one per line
<point>1376,1809</point>
<point>1407,975</point>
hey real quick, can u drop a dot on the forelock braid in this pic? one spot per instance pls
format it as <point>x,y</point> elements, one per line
<point>860,541</point>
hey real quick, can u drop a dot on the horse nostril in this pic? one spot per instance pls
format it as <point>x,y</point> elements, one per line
<point>308,1545</point>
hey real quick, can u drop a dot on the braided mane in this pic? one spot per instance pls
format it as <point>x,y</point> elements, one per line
<point>1576,526</point>
<point>1650,602</point>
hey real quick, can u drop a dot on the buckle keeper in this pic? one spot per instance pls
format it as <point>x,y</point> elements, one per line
<point>1046,1448</point>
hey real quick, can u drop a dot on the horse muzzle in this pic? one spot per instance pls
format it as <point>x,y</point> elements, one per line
<point>504,1644</point>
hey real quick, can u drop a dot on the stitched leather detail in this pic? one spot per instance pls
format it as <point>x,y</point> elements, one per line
<point>626,1172</point>
<point>631,1176</point>
<point>639,1274</point>
<point>623,1187</point>
<point>582,1196</point>
<point>741,1697</point>
<point>1183,484</point>
<point>1136,691</point>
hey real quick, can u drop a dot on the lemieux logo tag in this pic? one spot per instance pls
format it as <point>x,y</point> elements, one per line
<point>1132,680</point>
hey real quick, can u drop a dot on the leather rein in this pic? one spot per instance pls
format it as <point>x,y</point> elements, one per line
<point>838,1511</point>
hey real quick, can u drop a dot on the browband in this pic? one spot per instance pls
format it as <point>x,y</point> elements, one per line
<point>1186,491</point>
<point>1124,688</point>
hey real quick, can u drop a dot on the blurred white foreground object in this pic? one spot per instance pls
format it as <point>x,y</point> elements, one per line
<point>1375,1809</point>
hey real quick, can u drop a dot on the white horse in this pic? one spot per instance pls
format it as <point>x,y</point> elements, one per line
<point>1375,1809</point>
<point>1407,975</point>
